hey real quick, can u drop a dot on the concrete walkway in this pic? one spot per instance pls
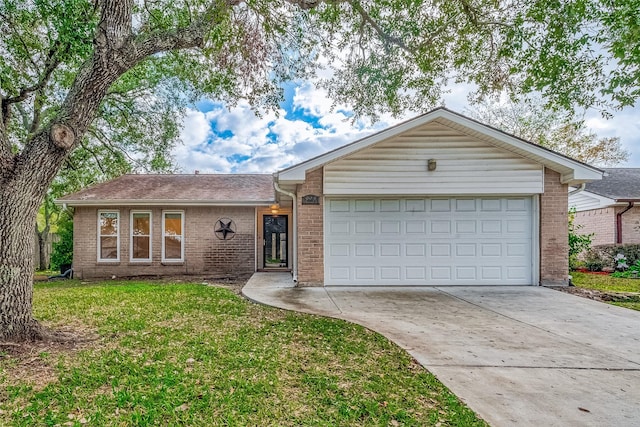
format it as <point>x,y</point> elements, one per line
<point>516,355</point>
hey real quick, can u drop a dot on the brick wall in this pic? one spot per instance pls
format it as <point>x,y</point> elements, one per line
<point>310,232</point>
<point>602,223</point>
<point>554,244</point>
<point>204,253</point>
<point>599,222</point>
<point>630,224</point>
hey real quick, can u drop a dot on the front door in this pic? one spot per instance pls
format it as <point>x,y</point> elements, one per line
<point>275,241</point>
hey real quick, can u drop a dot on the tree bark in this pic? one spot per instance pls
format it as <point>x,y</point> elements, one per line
<point>26,176</point>
<point>43,238</point>
<point>17,222</point>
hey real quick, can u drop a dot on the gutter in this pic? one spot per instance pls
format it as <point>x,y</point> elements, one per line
<point>294,261</point>
<point>578,190</point>
<point>619,223</point>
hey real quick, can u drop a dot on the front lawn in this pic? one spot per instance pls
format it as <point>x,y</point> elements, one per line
<point>189,354</point>
<point>610,285</point>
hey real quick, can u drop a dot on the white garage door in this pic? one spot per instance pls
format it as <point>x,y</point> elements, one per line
<point>428,241</point>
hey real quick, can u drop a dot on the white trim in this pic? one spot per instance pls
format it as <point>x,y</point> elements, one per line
<point>160,202</point>
<point>255,239</point>
<point>535,240</point>
<point>183,240</point>
<point>131,258</point>
<point>99,235</point>
<point>579,172</point>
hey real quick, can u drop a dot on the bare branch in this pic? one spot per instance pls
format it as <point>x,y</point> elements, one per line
<point>386,37</point>
<point>93,153</point>
<point>51,64</point>
<point>24,115</point>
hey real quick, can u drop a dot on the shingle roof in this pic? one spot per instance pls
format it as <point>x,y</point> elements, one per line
<point>178,189</point>
<point>622,184</point>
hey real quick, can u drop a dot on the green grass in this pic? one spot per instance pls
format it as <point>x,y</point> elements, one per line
<point>605,282</point>
<point>610,284</point>
<point>197,355</point>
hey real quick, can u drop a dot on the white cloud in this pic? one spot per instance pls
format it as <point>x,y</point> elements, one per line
<point>236,140</point>
<point>625,124</point>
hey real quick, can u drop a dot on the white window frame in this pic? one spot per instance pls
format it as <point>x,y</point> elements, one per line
<point>99,240</point>
<point>164,213</point>
<point>131,258</point>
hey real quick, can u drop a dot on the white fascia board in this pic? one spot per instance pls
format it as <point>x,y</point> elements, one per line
<point>580,176</point>
<point>172,203</point>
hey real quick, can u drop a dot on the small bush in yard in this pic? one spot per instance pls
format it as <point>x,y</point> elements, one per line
<point>578,243</point>
<point>63,249</point>
<point>631,272</point>
<point>621,262</point>
<point>594,260</point>
<point>604,256</point>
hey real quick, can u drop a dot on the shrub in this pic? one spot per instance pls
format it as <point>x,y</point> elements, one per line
<point>605,255</point>
<point>632,272</point>
<point>63,249</point>
<point>578,243</point>
<point>594,261</point>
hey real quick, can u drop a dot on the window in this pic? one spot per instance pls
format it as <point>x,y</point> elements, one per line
<point>108,236</point>
<point>172,236</point>
<point>140,236</point>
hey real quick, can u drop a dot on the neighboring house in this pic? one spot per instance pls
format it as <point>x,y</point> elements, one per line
<point>438,200</point>
<point>610,208</point>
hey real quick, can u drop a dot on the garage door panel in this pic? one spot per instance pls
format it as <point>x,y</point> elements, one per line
<point>364,227</point>
<point>364,206</point>
<point>426,241</point>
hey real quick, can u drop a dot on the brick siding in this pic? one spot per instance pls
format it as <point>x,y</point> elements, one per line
<point>599,222</point>
<point>310,232</point>
<point>602,223</point>
<point>554,242</point>
<point>630,224</point>
<point>204,253</point>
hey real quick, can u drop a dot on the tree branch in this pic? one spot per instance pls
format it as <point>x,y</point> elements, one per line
<point>386,37</point>
<point>51,64</point>
<point>5,144</point>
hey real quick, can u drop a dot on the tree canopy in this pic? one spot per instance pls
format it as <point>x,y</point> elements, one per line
<point>557,130</point>
<point>117,75</point>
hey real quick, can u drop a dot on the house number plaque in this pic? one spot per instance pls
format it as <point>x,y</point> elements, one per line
<point>310,199</point>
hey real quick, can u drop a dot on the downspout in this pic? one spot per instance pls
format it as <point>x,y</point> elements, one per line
<point>294,261</point>
<point>578,190</point>
<point>619,223</point>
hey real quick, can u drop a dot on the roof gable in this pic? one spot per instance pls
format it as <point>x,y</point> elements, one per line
<point>572,171</point>
<point>172,190</point>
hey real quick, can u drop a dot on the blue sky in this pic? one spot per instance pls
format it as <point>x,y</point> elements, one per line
<point>220,140</point>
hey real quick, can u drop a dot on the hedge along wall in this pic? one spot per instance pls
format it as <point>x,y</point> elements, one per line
<point>603,256</point>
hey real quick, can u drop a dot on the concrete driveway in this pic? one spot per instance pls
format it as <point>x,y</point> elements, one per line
<point>516,355</point>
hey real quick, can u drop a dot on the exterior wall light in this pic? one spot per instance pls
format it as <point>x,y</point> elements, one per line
<point>275,208</point>
<point>431,165</point>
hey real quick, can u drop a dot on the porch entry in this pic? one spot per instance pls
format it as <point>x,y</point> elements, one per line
<point>275,241</point>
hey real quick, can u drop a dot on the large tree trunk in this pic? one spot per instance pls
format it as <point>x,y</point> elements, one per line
<point>17,222</point>
<point>26,176</point>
